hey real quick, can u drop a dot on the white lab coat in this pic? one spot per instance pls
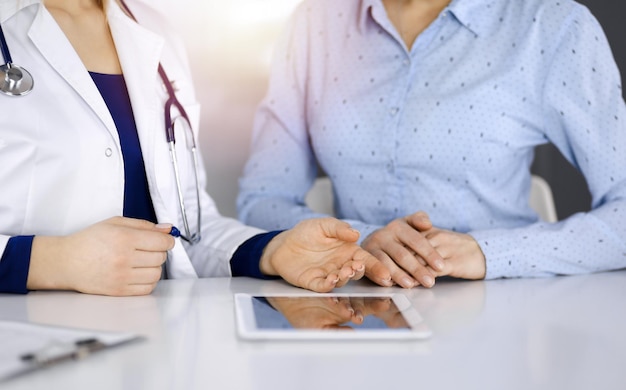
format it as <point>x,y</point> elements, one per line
<point>60,157</point>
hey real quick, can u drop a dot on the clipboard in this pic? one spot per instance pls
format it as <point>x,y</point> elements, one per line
<point>28,347</point>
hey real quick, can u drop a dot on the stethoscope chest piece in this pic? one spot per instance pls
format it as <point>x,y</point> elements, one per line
<point>15,80</point>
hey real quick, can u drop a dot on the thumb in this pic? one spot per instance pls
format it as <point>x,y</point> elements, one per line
<point>420,221</point>
<point>334,228</point>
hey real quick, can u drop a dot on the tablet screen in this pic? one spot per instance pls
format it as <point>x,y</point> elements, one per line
<point>328,316</point>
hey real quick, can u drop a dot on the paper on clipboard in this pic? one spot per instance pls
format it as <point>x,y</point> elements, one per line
<point>27,347</point>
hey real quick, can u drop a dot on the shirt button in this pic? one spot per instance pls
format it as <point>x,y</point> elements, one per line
<point>108,152</point>
<point>394,110</point>
<point>406,62</point>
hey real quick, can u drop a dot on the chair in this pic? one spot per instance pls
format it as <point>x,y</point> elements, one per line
<point>541,199</point>
<point>320,198</point>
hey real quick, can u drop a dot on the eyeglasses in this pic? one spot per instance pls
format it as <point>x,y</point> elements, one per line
<point>172,124</point>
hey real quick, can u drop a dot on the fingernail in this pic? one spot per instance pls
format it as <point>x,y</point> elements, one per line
<point>352,274</point>
<point>387,282</point>
<point>163,226</point>
<point>439,265</point>
<point>361,268</point>
<point>428,281</point>
<point>408,282</point>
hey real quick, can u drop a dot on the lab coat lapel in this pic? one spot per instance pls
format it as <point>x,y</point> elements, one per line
<point>54,46</point>
<point>139,52</point>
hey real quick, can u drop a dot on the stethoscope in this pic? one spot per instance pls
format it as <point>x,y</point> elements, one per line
<point>19,82</point>
<point>171,125</point>
<point>14,80</point>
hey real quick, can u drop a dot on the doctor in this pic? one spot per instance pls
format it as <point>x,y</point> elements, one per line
<point>89,193</point>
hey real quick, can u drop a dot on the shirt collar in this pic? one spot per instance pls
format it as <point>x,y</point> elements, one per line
<point>472,14</point>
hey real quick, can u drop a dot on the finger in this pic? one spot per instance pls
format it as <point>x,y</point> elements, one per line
<point>346,309</point>
<point>321,284</point>
<point>378,272</point>
<point>394,270</point>
<point>419,221</point>
<point>133,290</point>
<point>153,241</point>
<point>142,289</point>
<point>345,274</point>
<point>372,268</point>
<point>359,271</point>
<point>422,248</point>
<point>146,259</point>
<point>335,228</point>
<point>410,264</point>
<point>146,275</point>
<point>133,223</point>
<point>359,309</point>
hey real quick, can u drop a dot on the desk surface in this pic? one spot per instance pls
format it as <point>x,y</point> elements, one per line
<point>557,333</point>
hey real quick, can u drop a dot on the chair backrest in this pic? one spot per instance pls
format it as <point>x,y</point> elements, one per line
<point>541,199</point>
<point>320,198</point>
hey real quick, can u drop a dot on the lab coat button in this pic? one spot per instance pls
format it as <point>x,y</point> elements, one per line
<point>108,152</point>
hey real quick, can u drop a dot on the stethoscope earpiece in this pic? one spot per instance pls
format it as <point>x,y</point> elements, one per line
<point>15,80</point>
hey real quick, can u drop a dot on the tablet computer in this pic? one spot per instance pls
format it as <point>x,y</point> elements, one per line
<point>328,316</point>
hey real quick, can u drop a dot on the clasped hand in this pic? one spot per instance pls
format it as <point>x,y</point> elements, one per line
<point>416,253</point>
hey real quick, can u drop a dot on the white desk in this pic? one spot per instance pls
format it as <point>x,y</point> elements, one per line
<point>559,333</point>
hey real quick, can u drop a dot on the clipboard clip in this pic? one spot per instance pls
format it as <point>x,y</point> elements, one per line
<point>58,351</point>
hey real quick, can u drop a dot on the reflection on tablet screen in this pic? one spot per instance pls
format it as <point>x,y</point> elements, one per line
<point>328,312</point>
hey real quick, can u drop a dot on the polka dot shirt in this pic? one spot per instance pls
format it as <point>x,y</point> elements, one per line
<point>448,126</point>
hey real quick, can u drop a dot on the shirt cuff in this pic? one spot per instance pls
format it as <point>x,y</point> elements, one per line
<point>247,258</point>
<point>14,265</point>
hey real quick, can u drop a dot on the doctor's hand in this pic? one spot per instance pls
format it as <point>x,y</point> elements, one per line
<point>405,251</point>
<point>319,255</point>
<point>118,256</point>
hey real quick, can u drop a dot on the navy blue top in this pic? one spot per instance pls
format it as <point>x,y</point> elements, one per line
<point>15,259</point>
<point>137,200</point>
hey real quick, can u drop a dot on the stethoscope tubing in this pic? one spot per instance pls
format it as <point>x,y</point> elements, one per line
<point>4,48</point>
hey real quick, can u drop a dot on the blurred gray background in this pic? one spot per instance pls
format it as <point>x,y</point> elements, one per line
<point>230,45</point>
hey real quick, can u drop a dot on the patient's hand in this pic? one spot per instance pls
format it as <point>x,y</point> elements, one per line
<point>462,255</point>
<point>405,251</point>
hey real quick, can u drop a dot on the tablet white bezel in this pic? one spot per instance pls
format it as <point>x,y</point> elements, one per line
<point>247,328</point>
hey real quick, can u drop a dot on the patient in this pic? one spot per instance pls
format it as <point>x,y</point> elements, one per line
<point>425,115</point>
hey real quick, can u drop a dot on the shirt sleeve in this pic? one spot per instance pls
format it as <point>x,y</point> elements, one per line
<point>247,258</point>
<point>14,265</point>
<point>585,118</point>
<point>282,166</point>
